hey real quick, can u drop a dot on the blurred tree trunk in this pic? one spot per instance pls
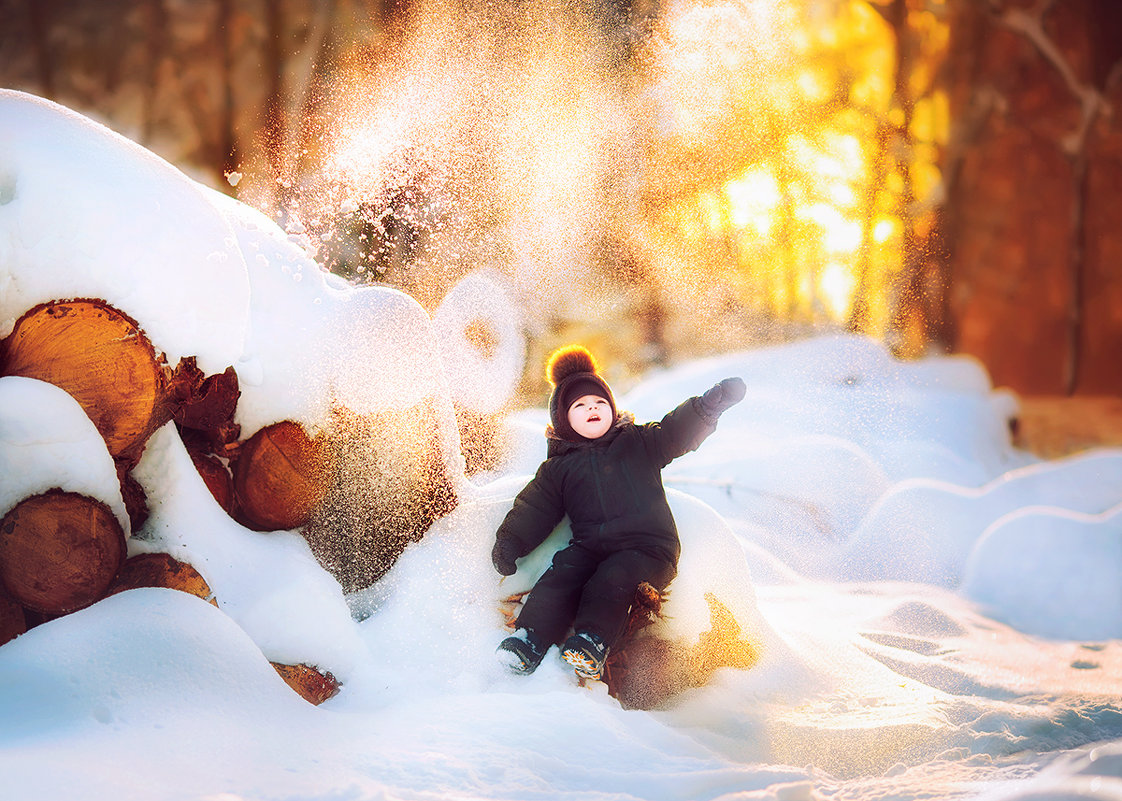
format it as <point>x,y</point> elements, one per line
<point>157,48</point>
<point>38,19</point>
<point>274,122</point>
<point>920,289</point>
<point>1032,227</point>
<point>859,320</point>
<point>206,84</point>
<point>228,126</point>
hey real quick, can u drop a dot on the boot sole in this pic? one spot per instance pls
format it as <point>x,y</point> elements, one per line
<point>584,665</point>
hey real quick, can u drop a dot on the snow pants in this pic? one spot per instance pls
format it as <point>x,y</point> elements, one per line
<point>590,591</point>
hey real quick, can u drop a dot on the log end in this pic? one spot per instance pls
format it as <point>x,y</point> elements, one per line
<point>161,570</point>
<point>101,358</point>
<point>12,620</point>
<point>279,477</point>
<point>59,551</point>
<point>309,683</point>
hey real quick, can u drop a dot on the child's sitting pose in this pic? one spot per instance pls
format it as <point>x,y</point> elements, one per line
<point>604,472</point>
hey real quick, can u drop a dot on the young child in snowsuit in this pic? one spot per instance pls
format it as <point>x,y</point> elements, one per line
<point>603,471</point>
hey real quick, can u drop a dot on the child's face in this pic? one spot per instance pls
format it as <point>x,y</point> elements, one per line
<point>590,416</point>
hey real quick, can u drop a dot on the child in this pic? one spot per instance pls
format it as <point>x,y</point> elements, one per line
<point>604,472</point>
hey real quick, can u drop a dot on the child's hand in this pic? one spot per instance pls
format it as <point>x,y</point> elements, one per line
<point>503,559</point>
<point>721,396</point>
<point>733,390</point>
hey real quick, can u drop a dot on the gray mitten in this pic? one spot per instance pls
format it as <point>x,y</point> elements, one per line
<point>503,558</point>
<point>721,396</point>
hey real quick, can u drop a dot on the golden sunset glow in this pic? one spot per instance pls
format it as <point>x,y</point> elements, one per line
<point>762,166</point>
<point>817,213</point>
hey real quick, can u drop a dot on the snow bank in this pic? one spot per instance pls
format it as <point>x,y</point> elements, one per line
<point>84,212</point>
<point>47,441</point>
<point>925,530</point>
<point>1051,572</point>
<point>268,582</point>
<point>808,464</point>
<point>852,388</point>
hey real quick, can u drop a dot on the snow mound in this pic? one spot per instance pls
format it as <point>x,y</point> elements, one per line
<point>1051,572</point>
<point>85,669</point>
<point>315,341</point>
<point>47,441</point>
<point>84,212</point>
<point>852,388</point>
<point>258,578</point>
<point>478,328</point>
<point>923,530</point>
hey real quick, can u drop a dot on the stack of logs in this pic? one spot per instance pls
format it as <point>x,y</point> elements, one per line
<point>60,552</point>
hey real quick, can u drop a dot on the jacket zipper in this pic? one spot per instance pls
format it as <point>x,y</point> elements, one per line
<point>599,488</point>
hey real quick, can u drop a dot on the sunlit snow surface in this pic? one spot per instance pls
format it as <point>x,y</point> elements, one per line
<point>938,612</point>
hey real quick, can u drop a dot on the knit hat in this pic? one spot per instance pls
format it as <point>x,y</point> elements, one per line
<point>573,373</point>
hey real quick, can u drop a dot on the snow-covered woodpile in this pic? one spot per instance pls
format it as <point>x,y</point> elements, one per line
<point>61,551</point>
<point>336,423</point>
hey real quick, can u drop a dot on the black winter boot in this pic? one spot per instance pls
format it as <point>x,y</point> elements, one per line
<point>522,652</point>
<point>586,652</point>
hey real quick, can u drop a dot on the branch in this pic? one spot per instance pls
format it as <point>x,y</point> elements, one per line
<point>1028,25</point>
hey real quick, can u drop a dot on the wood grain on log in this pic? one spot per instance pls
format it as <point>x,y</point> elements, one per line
<point>279,477</point>
<point>313,686</point>
<point>12,621</point>
<point>161,570</point>
<point>101,357</point>
<point>59,551</point>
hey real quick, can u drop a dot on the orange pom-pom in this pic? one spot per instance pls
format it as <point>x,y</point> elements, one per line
<point>565,361</point>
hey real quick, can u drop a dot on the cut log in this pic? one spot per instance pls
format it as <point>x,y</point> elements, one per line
<point>646,672</point>
<point>279,477</point>
<point>160,570</point>
<point>217,478</point>
<point>101,357</point>
<point>12,621</point>
<point>313,686</point>
<point>59,551</point>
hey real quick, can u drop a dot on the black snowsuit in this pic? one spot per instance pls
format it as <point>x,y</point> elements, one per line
<point>623,531</point>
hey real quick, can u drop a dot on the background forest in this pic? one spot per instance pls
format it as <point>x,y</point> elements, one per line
<point>660,180</point>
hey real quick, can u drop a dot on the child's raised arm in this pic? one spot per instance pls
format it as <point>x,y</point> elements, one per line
<point>687,426</point>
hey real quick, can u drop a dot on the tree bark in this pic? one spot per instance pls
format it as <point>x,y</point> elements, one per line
<point>12,620</point>
<point>218,480</point>
<point>1033,231</point>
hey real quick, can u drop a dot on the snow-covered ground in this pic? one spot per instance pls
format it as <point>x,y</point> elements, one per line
<point>938,614</point>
